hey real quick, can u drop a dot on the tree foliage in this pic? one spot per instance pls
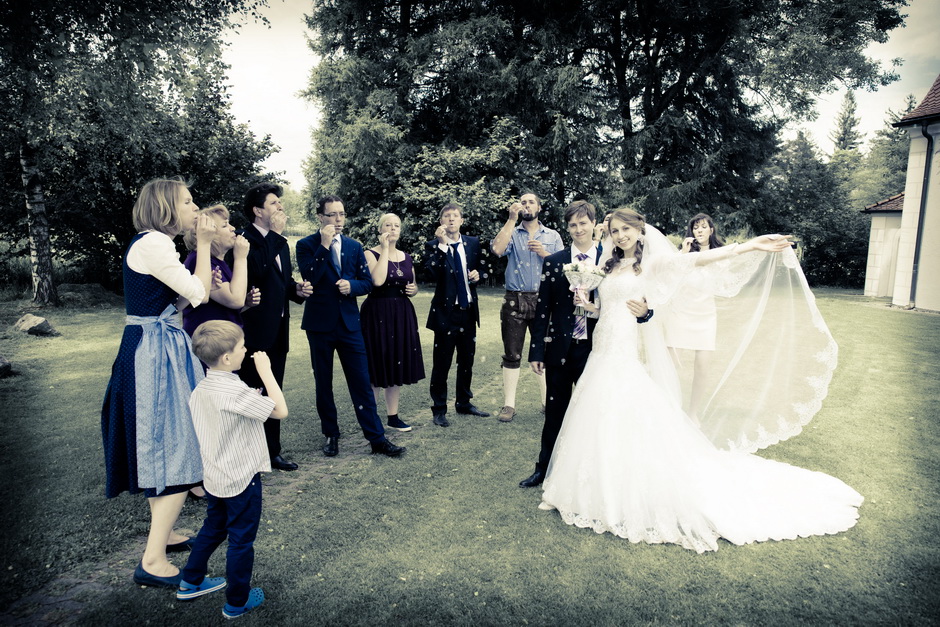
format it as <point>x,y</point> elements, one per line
<point>883,172</point>
<point>802,196</point>
<point>846,136</point>
<point>672,106</point>
<point>102,96</point>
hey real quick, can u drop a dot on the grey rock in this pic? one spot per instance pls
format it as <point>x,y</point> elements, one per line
<point>34,325</point>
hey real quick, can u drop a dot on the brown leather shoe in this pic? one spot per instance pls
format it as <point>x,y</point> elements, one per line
<point>506,414</point>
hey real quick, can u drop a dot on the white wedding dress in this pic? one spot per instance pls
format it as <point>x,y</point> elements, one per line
<point>630,462</point>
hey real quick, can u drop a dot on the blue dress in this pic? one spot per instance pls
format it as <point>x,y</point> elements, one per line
<point>150,445</point>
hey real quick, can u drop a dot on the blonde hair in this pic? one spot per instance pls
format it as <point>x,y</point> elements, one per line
<point>155,209</point>
<point>189,237</point>
<point>214,338</point>
<point>385,217</point>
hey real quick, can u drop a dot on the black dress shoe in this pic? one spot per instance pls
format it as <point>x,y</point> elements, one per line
<point>473,410</point>
<point>331,448</point>
<point>441,420</point>
<point>384,447</point>
<point>279,463</point>
<point>535,480</point>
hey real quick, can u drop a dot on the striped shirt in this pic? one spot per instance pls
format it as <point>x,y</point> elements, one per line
<point>229,420</point>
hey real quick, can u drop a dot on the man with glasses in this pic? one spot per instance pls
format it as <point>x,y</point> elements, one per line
<point>336,267</point>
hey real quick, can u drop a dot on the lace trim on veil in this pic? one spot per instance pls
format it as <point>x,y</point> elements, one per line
<point>774,356</point>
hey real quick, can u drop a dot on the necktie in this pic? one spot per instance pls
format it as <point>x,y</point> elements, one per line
<point>462,300</point>
<point>334,253</point>
<point>580,322</point>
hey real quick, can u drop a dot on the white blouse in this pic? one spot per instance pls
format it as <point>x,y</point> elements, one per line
<point>155,254</point>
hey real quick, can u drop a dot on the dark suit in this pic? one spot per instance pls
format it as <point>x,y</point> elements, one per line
<point>331,321</point>
<point>455,329</point>
<point>564,358</point>
<point>267,325</point>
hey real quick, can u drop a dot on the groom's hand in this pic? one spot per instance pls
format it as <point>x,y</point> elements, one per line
<point>638,308</point>
<point>538,367</point>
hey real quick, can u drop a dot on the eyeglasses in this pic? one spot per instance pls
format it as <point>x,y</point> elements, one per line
<point>335,214</point>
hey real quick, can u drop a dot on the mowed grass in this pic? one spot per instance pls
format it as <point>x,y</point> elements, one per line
<point>445,535</point>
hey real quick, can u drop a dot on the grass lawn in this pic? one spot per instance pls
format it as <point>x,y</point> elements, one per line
<point>444,535</point>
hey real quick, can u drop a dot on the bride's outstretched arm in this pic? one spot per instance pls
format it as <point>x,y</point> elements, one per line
<point>766,243</point>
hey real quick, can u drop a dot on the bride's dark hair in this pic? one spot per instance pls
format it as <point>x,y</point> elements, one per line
<point>637,221</point>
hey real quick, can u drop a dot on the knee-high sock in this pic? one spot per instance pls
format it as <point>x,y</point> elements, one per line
<point>510,383</point>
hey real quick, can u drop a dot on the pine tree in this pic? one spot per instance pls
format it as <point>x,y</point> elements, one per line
<point>846,135</point>
<point>884,170</point>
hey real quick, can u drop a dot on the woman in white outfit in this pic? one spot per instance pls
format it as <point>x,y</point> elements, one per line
<point>630,462</point>
<point>691,321</point>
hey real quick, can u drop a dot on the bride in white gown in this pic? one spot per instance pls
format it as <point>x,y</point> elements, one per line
<point>628,460</point>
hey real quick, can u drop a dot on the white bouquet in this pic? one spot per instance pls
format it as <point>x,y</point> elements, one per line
<point>583,277</point>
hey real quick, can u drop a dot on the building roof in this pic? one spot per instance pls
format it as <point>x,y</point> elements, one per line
<point>927,111</point>
<point>895,203</point>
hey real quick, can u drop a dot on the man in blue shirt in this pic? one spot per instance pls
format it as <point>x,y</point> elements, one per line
<point>525,245</point>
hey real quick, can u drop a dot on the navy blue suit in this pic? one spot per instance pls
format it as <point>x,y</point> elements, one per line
<point>552,344</point>
<point>455,329</point>
<point>331,321</point>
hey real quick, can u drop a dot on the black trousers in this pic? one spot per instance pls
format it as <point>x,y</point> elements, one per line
<point>559,383</point>
<point>277,353</point>
<point>462,339</point>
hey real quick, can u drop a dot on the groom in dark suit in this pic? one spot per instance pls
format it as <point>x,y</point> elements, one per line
<point>453,260</point>
<point>336,267</point>
<point>561,341</point>
<point>267,325</point>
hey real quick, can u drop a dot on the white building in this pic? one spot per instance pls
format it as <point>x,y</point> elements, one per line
<point>904,255</point>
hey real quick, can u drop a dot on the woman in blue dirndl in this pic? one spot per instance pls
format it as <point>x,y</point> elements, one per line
<point>150,445</point>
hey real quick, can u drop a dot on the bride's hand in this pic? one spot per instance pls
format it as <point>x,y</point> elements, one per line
<point>580,298</point>
<point>770,243</point>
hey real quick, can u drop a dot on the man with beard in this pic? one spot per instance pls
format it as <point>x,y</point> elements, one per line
<point>525,245</point>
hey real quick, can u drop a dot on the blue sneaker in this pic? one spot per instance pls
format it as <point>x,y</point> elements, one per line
<point>255,598</point>
<point>189,591</point>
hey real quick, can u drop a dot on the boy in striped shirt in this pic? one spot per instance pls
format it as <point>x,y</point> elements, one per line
<point>229,420</point>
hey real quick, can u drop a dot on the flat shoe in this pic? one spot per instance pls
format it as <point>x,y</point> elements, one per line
<point>255,598</point>
<point>143,578</point>
<point>189,591</point>
<point>180,547</point>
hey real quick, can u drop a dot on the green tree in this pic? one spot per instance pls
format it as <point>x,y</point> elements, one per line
<point>802,196</point>
<point>845,136</point>
<point>667,105</point>
<point>884,171</point>
<point>92,91</point>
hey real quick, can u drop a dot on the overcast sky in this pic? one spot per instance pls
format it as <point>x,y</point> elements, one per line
<point>270,65</point>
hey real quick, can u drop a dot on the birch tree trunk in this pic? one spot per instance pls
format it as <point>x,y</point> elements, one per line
<point>40,247</point>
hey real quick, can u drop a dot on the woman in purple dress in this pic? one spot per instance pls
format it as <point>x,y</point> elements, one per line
<point>150,445</point>
<point>230,297</point>
<point>389,322</point>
